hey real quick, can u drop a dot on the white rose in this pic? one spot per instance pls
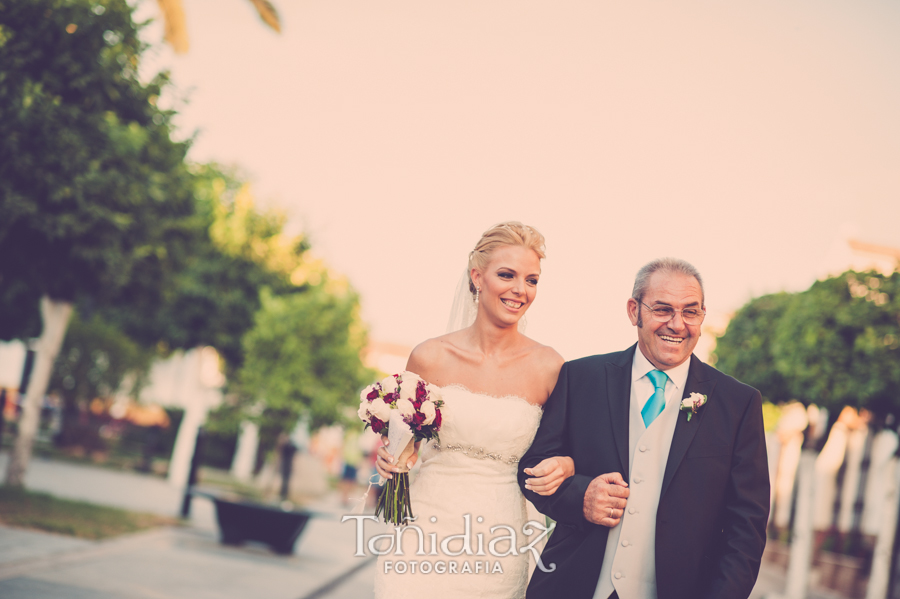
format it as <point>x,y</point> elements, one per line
<point>428,410</point>
<point>363,411</point>
<point>406,407</point>
<point>380,410</point>
<point>363,395</point>
<point>434,393</point>
<point>408,390</point>
<point>410,377</point>
<point>389,385</point>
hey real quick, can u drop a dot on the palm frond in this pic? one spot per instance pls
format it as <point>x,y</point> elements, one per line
<point>175,25</point>
<point>268,14</point>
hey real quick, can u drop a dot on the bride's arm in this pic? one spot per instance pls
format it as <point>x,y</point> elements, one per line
<point>549,474</point>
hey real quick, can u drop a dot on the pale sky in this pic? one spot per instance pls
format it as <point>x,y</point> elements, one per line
<point>747,138</point>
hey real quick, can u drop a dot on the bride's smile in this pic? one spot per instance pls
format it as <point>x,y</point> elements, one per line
<point>508,284</point>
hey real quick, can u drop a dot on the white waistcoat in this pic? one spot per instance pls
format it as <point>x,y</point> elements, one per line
<point>629,563</point>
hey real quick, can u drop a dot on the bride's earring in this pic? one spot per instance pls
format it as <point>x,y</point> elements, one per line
<point>477,293</point>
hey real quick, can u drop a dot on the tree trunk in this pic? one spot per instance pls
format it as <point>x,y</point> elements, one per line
<point>245,454</point>
<point>55,315</point>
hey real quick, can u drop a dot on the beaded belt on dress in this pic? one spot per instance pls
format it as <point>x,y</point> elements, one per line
<point>476,452</point>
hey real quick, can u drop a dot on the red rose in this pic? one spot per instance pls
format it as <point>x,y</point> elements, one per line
<point>421,393</point>
<point>437,420</point>
<point>377,425</point>
<point>372,394</point>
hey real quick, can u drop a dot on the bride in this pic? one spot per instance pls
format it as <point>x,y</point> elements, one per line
<point>493,380</point>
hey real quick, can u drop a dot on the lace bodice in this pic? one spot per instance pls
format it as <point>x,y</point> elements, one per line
<point>483,427</point>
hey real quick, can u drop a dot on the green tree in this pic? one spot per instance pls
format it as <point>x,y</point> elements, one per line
<point>303,358</point>
<point>744,351</point>
<point>95,198</point>
<point>212,300</point>
<point>95,359</point>
<point>839,343</point>
<point>836,344</point>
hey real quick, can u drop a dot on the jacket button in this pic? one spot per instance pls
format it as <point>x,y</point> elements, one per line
<point>619,575</point>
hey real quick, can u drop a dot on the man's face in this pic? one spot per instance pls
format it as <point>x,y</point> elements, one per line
<point>667,344</point>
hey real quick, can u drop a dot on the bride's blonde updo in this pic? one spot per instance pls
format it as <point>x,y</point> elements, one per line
<point>508,233</point>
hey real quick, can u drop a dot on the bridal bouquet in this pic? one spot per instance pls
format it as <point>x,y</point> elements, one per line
<point>406,409</point>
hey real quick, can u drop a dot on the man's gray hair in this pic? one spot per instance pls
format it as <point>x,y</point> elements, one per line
<point>675,265</point>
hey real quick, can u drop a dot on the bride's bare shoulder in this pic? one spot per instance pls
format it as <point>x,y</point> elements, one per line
<point>546,363</point>
<point>431,353</point>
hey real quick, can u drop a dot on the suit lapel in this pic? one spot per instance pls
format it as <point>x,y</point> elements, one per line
<point>697,382</point>
<point>618,394</point>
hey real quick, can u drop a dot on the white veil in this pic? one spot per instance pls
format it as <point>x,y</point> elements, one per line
<point>463,310</point>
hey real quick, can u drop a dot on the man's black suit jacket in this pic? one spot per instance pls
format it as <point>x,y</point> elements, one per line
<point>714,503</point>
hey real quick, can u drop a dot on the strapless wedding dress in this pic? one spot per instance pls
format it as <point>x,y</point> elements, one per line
<point>468,477</point>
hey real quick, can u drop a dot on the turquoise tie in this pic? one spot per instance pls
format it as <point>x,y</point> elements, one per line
<point>657,401</point>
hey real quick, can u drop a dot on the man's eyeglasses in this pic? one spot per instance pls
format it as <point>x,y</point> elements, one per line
<point>667,313</point>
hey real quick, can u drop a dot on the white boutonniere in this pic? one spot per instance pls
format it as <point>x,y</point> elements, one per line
<point>692,404</point>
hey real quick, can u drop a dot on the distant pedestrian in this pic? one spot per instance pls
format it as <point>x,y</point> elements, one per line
<point>353,458</point>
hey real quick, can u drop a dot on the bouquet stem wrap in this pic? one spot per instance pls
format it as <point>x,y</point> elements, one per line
<point>394,499</point>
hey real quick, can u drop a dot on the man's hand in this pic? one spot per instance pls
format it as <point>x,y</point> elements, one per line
<point>605,499</point>
<point>384,464</point>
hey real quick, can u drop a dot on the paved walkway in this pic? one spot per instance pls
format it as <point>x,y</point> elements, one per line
<point>188,562</point>
<point>172,562</point>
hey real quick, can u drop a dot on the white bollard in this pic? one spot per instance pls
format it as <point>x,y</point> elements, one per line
<point>879,480</point>
<point>800,556</point>
<point>856,446</point>
<point>881,558</point>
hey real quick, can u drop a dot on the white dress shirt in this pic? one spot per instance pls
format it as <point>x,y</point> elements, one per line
<point>629,562</point>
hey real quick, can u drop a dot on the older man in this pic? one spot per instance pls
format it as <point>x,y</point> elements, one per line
<point>671,493</point>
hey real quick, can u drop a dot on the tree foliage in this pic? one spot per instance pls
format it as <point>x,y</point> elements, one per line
<point>836,344</point>
<point>745,350</point>
<point>839,343</point>
<point>302,358</point>
<point>94,194</point>
<point>213,298</point>
<point>95,359</point>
